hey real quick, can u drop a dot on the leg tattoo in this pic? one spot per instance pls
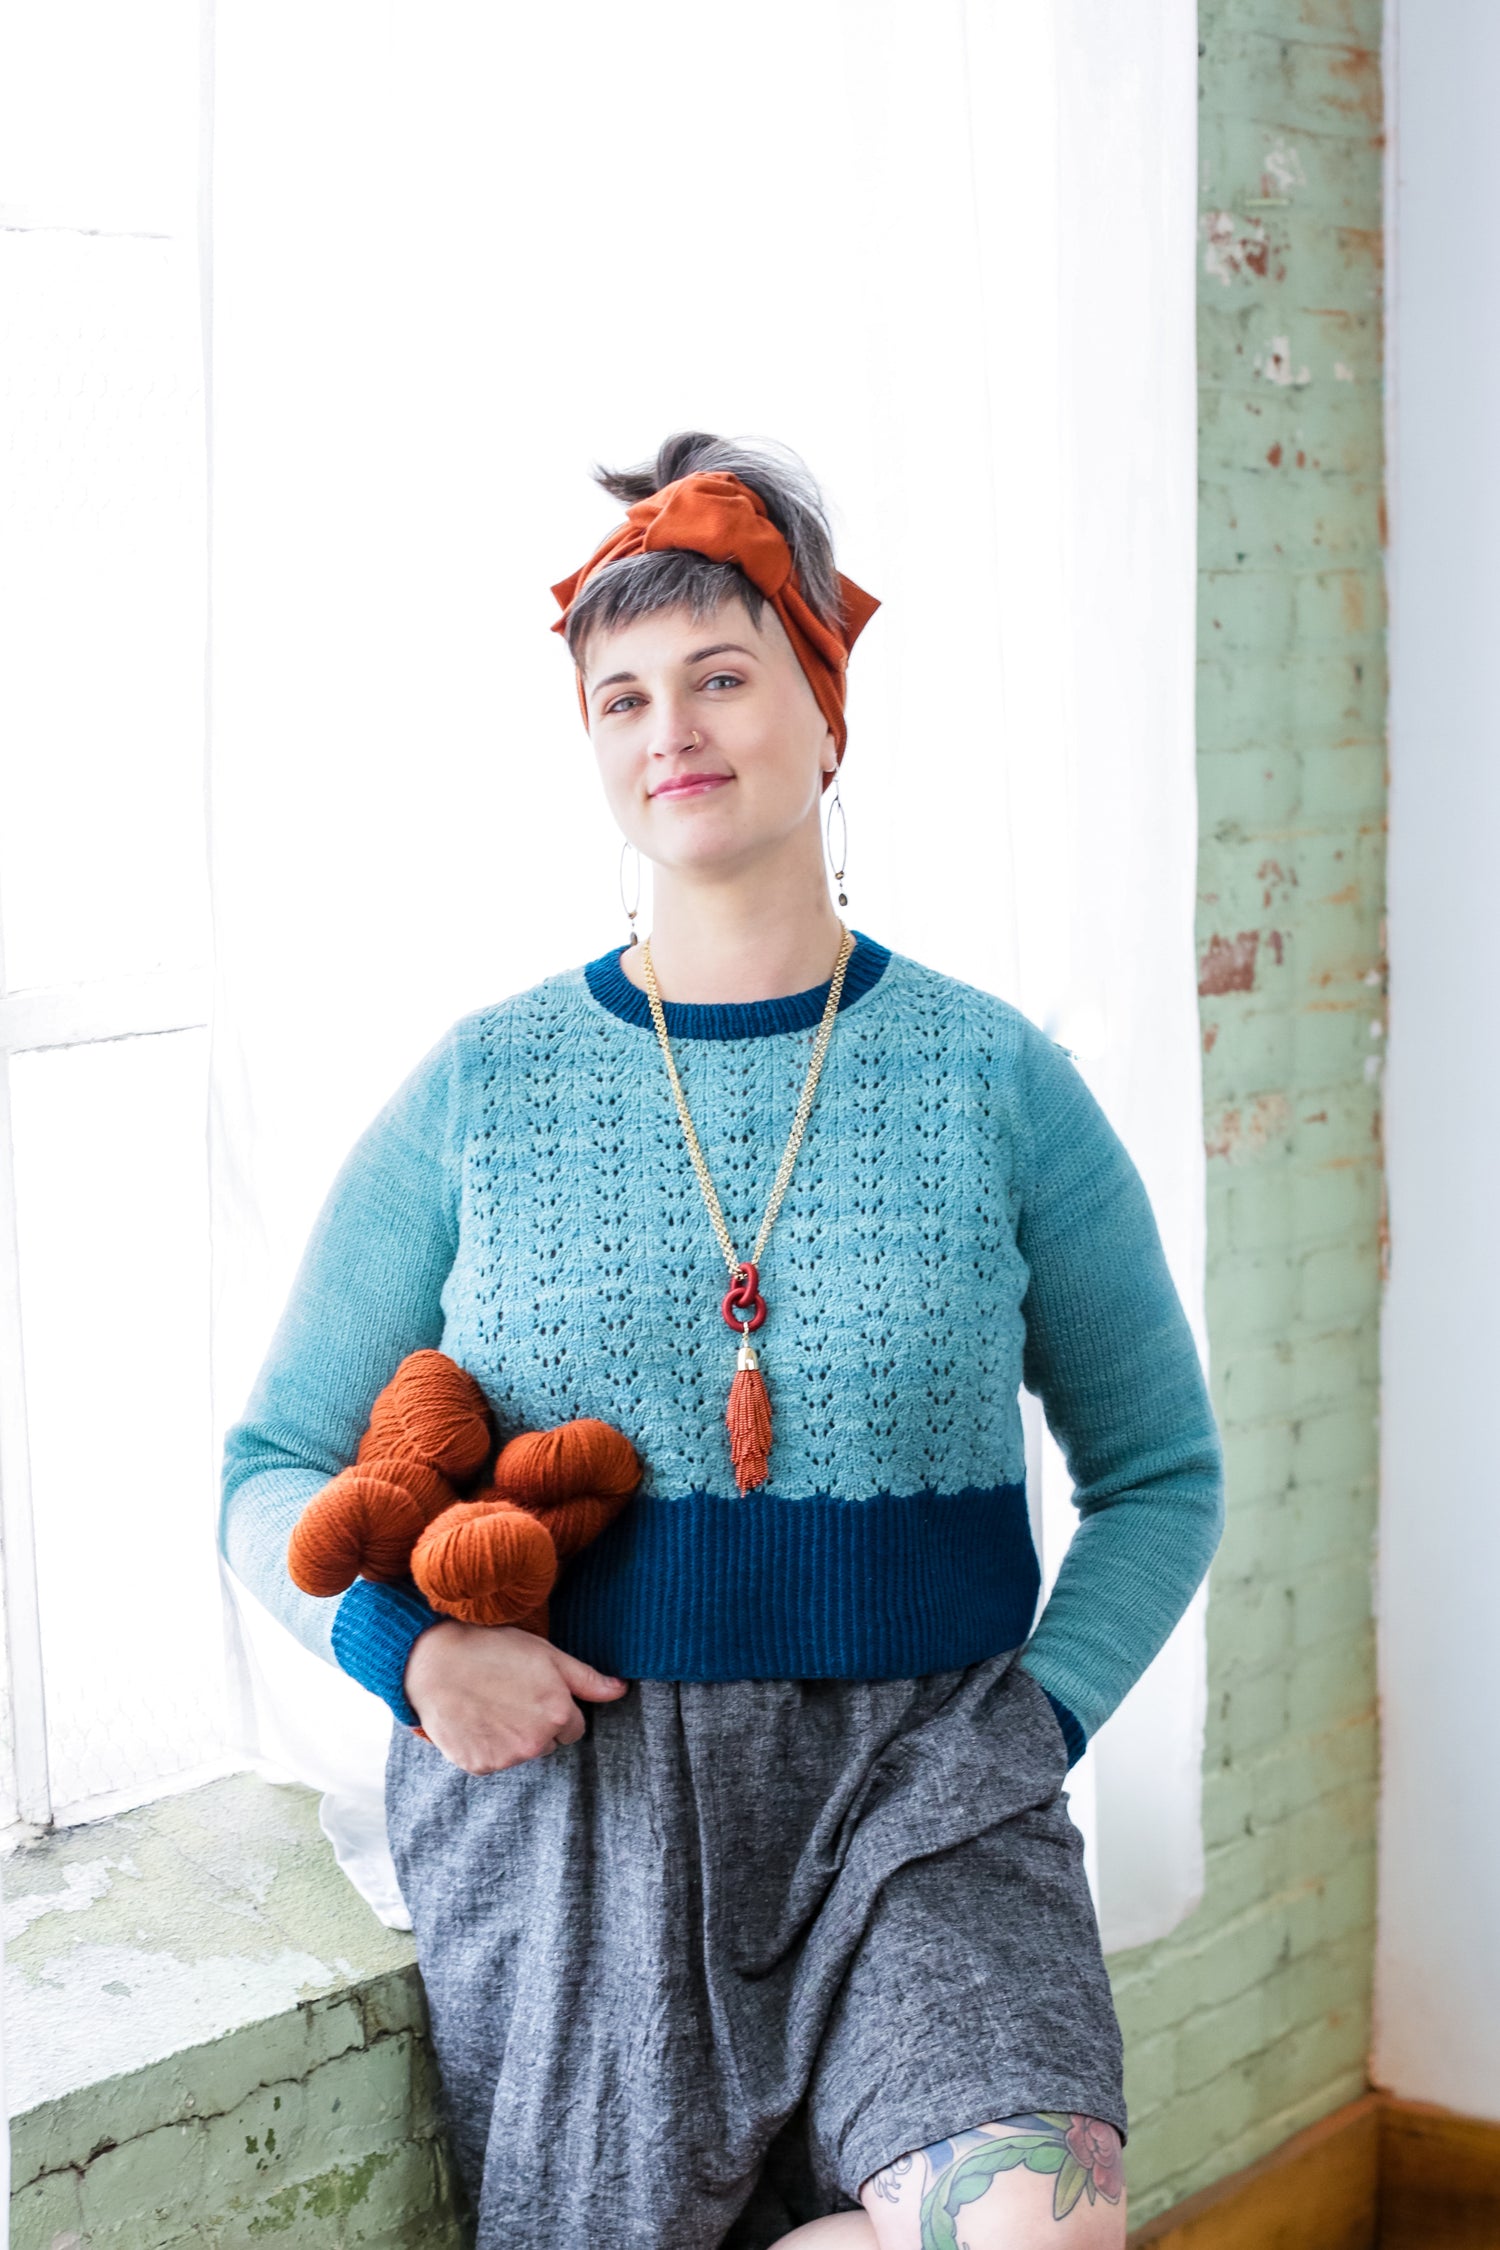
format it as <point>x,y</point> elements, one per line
<point>1082,2154</point>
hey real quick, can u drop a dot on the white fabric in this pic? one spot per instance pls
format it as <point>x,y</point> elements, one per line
<point>947,254</point>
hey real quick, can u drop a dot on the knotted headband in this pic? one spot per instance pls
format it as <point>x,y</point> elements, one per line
<point>714,514</point>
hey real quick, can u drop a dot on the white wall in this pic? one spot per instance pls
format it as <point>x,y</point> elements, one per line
<point>1438,1977</point>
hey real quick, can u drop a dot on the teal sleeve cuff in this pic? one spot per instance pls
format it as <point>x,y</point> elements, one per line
<point>1072,1732</point>
<point>374,1631</point>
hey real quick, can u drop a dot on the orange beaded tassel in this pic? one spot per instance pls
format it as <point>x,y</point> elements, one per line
<point>749,1419</point>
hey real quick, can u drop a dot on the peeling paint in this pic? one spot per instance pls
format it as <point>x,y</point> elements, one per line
<point>1275,363</point>
<point>1270,872</point>
<point>1228,964</point>
<point>1359,68</point>
<point>331,2194</point>
<point>1234,248</point>
<point>82,1884</point>
<point>1244,1131</point>
<point>110,2008</point>
<point>1282,171</point>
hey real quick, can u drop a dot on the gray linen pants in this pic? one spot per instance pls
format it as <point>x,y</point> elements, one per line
<point>693,1978</point>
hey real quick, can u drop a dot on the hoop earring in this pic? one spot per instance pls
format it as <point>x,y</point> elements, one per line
<point>630,911</point>
<point>836,805</point>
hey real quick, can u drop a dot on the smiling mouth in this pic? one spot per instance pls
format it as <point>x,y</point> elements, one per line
<point>697,786</point>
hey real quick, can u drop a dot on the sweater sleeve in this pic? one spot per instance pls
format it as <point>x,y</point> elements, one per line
<point>1111,1357</point>
<point>367,1292</point>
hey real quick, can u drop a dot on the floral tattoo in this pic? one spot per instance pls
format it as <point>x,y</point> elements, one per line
<point>1082,2154</point>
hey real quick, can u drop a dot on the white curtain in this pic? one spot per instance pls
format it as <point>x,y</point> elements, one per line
<point>460,254</point>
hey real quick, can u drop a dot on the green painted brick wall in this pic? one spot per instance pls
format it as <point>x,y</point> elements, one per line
<point>1252,2019</point>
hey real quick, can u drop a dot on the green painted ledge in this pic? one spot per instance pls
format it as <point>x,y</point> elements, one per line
<point>210,2039</point>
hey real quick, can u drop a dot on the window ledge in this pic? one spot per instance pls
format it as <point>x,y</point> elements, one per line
<point>205,2027</point>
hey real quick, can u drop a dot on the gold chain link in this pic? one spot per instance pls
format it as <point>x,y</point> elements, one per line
<point>799,1122</point>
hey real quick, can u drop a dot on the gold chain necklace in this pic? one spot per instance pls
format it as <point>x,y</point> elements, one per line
<point>744,1307</point>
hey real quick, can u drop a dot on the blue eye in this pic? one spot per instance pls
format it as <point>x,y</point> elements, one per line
<point>730,679</point>
<point>619,704</point>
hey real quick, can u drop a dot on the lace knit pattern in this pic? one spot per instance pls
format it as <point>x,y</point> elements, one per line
<point>962,1219</point>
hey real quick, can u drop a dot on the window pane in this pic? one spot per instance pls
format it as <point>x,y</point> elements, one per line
<point>102,608</point>
<point>99,108</point>
<point>112,1212</point>
<point>8,1805</point>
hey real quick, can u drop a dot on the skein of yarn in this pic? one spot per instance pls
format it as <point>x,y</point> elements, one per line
<point>429,1431</point>
<point>486,1562</point>
<point>432,1411</point>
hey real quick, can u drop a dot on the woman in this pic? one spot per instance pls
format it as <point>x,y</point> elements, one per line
<point>749,1908</point>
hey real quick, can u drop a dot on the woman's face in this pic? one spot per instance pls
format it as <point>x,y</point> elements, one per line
<point>754,776</point>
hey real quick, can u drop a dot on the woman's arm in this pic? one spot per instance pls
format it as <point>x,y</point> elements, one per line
<point>1111,1357</point>
<point>367,1292</point>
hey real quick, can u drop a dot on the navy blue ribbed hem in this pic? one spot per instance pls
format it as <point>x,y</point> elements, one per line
<point>735,1019</point>
<point>1072,1729</point>
<point>710,1588</point>
<point>374,1629</point>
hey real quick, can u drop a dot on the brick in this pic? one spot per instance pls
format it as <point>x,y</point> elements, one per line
<point>1324,1522</point>
<point>1282,513</point>
<point>1334,1601</point>
<point>1336,1201</point>
<point>1251,1713</point>
<point>1247,794</point>
<point>1326,1444</point>
<point>1332,1683</point>
<point>1310,699</point>
<point>47,2210</point>
<point>1255,1043</point>
<point>1258,1461</point>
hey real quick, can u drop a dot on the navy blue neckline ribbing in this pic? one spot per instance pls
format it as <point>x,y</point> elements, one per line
<point>735,1019</point>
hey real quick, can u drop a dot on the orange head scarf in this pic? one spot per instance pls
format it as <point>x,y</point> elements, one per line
<point>716,515</point>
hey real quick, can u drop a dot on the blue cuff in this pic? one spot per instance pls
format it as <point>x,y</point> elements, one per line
<point>1072,1731</point>
<point>374,1630</point>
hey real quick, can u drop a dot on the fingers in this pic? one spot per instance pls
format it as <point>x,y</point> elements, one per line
<point>571,1729</point>
<point>582,1679</point>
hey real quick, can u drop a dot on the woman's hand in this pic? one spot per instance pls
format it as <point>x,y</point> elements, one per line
<point>491,1696</point>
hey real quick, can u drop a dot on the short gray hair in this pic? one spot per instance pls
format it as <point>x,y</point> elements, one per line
<point>673,578</point>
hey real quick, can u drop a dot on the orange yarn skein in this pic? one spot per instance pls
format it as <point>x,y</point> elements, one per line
<point>429,1430</point>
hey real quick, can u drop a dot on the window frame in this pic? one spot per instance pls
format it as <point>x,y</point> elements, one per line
<point>138,1006</point>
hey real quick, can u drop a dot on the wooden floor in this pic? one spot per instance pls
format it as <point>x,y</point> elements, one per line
<point>1380,2174</point>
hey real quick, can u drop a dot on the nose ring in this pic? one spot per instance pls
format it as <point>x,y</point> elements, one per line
<point>697,740</point>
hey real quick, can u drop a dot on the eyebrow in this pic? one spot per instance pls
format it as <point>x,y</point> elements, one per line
<point>719,648</point>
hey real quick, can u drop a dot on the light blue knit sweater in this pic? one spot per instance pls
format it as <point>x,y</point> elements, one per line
<point>962,1220</point>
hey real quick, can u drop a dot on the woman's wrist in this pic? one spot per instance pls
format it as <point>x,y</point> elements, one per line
<point>375,1629</point>
<point>429,1654</point>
